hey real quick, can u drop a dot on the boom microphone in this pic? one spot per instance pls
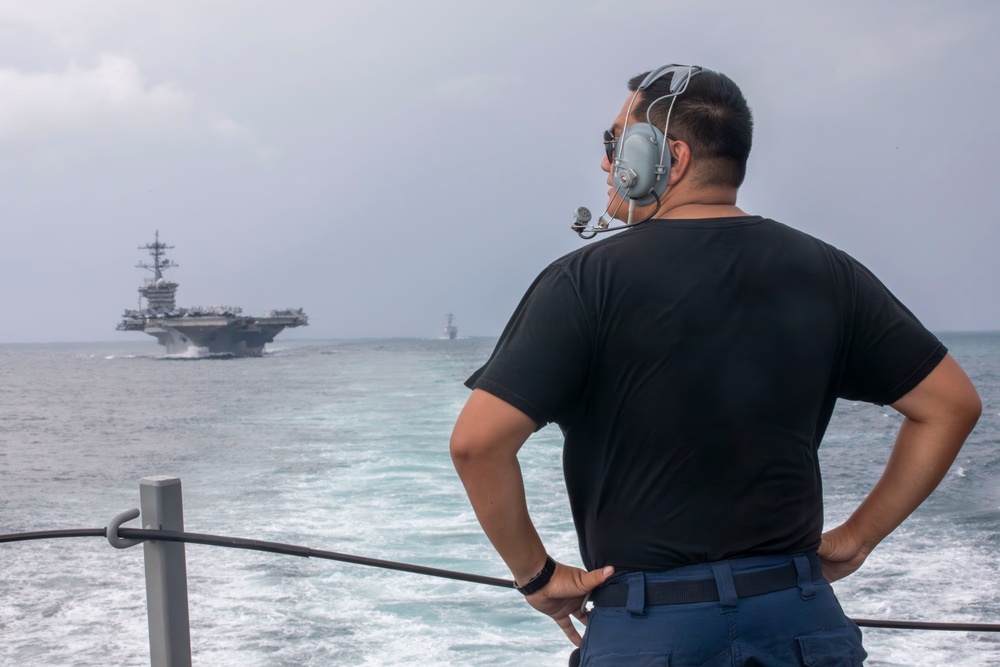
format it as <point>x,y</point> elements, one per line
<point>581,223</point>
<point>581,220</point>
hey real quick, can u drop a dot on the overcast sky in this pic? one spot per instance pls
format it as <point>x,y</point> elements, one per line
<point>382,164</point>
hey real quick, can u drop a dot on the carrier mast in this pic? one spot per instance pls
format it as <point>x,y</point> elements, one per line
<point>159,291</point>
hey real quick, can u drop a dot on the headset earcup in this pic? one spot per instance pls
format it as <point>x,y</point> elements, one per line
<point>641,146</point>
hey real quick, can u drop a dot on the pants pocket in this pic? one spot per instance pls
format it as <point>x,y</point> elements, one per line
<point>832,648</point>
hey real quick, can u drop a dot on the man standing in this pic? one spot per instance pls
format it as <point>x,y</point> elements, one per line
<point>693,362</point>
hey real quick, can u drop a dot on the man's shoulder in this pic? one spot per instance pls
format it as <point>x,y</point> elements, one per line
<point>680,238</point>
<point>672,231</point>
<point>596,251</point>
<point>794,235</point>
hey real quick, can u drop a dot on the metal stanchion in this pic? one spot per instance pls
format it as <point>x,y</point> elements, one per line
<point>166,574</point>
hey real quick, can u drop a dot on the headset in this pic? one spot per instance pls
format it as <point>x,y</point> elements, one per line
<point>641,167</point>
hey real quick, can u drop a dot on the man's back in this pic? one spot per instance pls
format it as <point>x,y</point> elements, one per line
<point>697,365</point>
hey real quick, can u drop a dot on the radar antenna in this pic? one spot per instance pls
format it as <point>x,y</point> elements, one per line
<point>160,261</point>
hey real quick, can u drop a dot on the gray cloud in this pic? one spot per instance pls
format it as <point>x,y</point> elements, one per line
<point>383,164</point>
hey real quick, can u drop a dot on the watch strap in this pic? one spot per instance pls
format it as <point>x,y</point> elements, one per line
<point>537,582</point>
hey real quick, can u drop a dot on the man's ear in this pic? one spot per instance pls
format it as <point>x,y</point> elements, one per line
<point>680,160</point>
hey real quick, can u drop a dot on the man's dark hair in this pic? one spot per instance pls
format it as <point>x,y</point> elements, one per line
<point>712,116</point>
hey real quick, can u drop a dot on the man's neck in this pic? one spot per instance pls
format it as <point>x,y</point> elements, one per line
<point>710,202</point>
<point>693,210</point>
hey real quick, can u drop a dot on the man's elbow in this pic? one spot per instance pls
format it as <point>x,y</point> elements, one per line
<point>960,412</point>
<point>965,405</point>
<point>946,397</point>
<point>970,408</point>
<point>462,448</point>
<point>467,447</point>
<point>488,431</point>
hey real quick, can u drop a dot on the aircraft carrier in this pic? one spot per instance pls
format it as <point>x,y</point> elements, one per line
<point>200,331</point>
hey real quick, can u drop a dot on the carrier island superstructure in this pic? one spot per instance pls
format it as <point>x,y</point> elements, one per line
<point>212,330</point>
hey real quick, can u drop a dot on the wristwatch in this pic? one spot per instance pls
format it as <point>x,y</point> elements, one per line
<point>537,582</point>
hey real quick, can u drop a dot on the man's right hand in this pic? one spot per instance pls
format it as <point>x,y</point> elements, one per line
<point>562,598</point>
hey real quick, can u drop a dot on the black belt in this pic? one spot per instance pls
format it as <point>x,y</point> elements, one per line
<point>700,590</point>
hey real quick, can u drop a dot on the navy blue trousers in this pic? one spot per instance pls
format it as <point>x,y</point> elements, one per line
<point>802,625</point>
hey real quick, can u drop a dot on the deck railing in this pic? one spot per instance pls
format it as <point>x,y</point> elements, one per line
<point>163,538</point>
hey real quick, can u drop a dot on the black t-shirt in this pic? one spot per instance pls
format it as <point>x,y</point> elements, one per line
<point>693,366</point>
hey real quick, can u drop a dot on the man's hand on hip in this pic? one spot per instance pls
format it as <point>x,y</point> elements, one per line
<point>840,554</point>
<point>562,598</point>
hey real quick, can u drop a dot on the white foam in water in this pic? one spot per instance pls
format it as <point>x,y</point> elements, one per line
<point>192,352</point>
<point>345,448</point>
<point>913,576</point>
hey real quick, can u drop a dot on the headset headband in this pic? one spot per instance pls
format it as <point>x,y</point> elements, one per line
<point>678,83</point>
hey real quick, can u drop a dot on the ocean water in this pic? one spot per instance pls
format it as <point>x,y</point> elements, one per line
<point>343,446</point>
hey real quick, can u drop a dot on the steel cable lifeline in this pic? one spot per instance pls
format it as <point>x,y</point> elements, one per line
<point>140,534</point>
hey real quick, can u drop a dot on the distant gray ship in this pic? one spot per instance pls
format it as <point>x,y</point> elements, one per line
<point>450,330</point>
<point>213,330</point>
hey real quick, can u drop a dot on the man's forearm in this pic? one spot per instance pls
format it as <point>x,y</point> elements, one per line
<point>496,491</point>
<point>920,458</point>
<point>484,446</point>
